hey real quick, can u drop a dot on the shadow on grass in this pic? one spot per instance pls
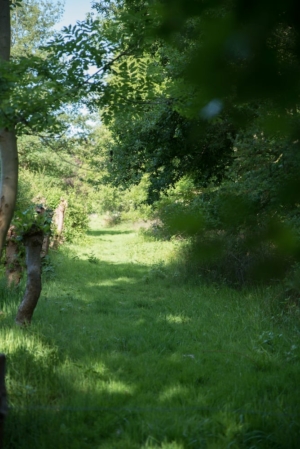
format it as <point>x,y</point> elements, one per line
<point>109,232</point>
<point>115,374</point>
<point>37,417</point>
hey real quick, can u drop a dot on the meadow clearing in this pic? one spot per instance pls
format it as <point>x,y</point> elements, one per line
<point>123,353</point>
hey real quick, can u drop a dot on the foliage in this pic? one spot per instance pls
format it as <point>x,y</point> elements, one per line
<point>76,220</point>
<point>39,188</point>
<point>188,90</point>
<point>107,199</point>
<point>135,201</point>
<point>247,51</point>
<point>46,157</point>
<point>15,4</point>
<point>204,56</point>
<point>222,110</point>
<point>32,84</point>
<point>42,188</point>
<point>31,24</point>
<point>121,204</point>
<point>111,219</point>
<point>247,230</point>
<point>168,146</point>
<point>25,220</point>
<point>237,54</point>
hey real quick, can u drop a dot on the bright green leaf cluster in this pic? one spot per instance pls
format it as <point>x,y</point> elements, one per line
<point>35,216</point>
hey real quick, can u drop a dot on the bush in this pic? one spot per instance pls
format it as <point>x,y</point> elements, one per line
<point>106,198</point>
<point>76,219</point>
<point>111,219</point>
<point>247,230</point>
<point>116,204</point>
<point>39,188</point>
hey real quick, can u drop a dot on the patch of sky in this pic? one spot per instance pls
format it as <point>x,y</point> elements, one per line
<point>74,11</point>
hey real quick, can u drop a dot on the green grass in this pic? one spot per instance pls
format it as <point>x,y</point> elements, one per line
<point>123,354</point>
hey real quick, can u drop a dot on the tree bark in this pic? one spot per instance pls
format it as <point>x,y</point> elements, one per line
<point>46,242</point>
<point>5,30</point>
<point>58,220</point>
<point>45,246</point>
<point>8,141</point>
<point>13,264</point>
<point>9,181</point>
<point>33,243</point>
<point>3,398</point>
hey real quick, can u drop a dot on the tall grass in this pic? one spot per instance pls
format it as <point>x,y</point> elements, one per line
<point>123,354</point>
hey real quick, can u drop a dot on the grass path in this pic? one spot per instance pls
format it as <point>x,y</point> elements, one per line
<point>123,355</point>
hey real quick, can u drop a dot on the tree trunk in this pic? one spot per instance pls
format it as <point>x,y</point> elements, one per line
<point>12,259</point>
<point>58,219</point>
<point>8,141</point>
<point>5,31</point>
<point>9,181</point>
<point>3,399</point>
<point>33,242</point>
<point>45,246</point>
<point>46,242</point>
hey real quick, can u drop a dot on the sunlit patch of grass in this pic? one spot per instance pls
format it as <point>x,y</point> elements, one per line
<point>180,319</point>
<point>173,392</point>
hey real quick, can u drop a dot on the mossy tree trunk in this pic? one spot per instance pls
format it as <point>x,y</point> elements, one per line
<point>8,141</point>
<point>33,242</point>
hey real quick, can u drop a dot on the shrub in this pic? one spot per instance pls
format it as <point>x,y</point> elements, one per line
<point>116,204</point>
<point>40,188</point>
<point>111,219</point>
<point>76,219</point>
<point>247,230</point>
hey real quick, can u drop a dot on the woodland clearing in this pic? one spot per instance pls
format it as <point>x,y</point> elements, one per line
<point>122,353</point>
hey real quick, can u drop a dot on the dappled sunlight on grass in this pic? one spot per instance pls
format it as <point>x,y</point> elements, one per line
<point>174,392</point>
<point>118,387</point>
<point>179,319</point>
<point>122,355</point>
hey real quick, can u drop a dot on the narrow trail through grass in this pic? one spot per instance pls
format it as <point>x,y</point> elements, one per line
<point>123,354</point>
